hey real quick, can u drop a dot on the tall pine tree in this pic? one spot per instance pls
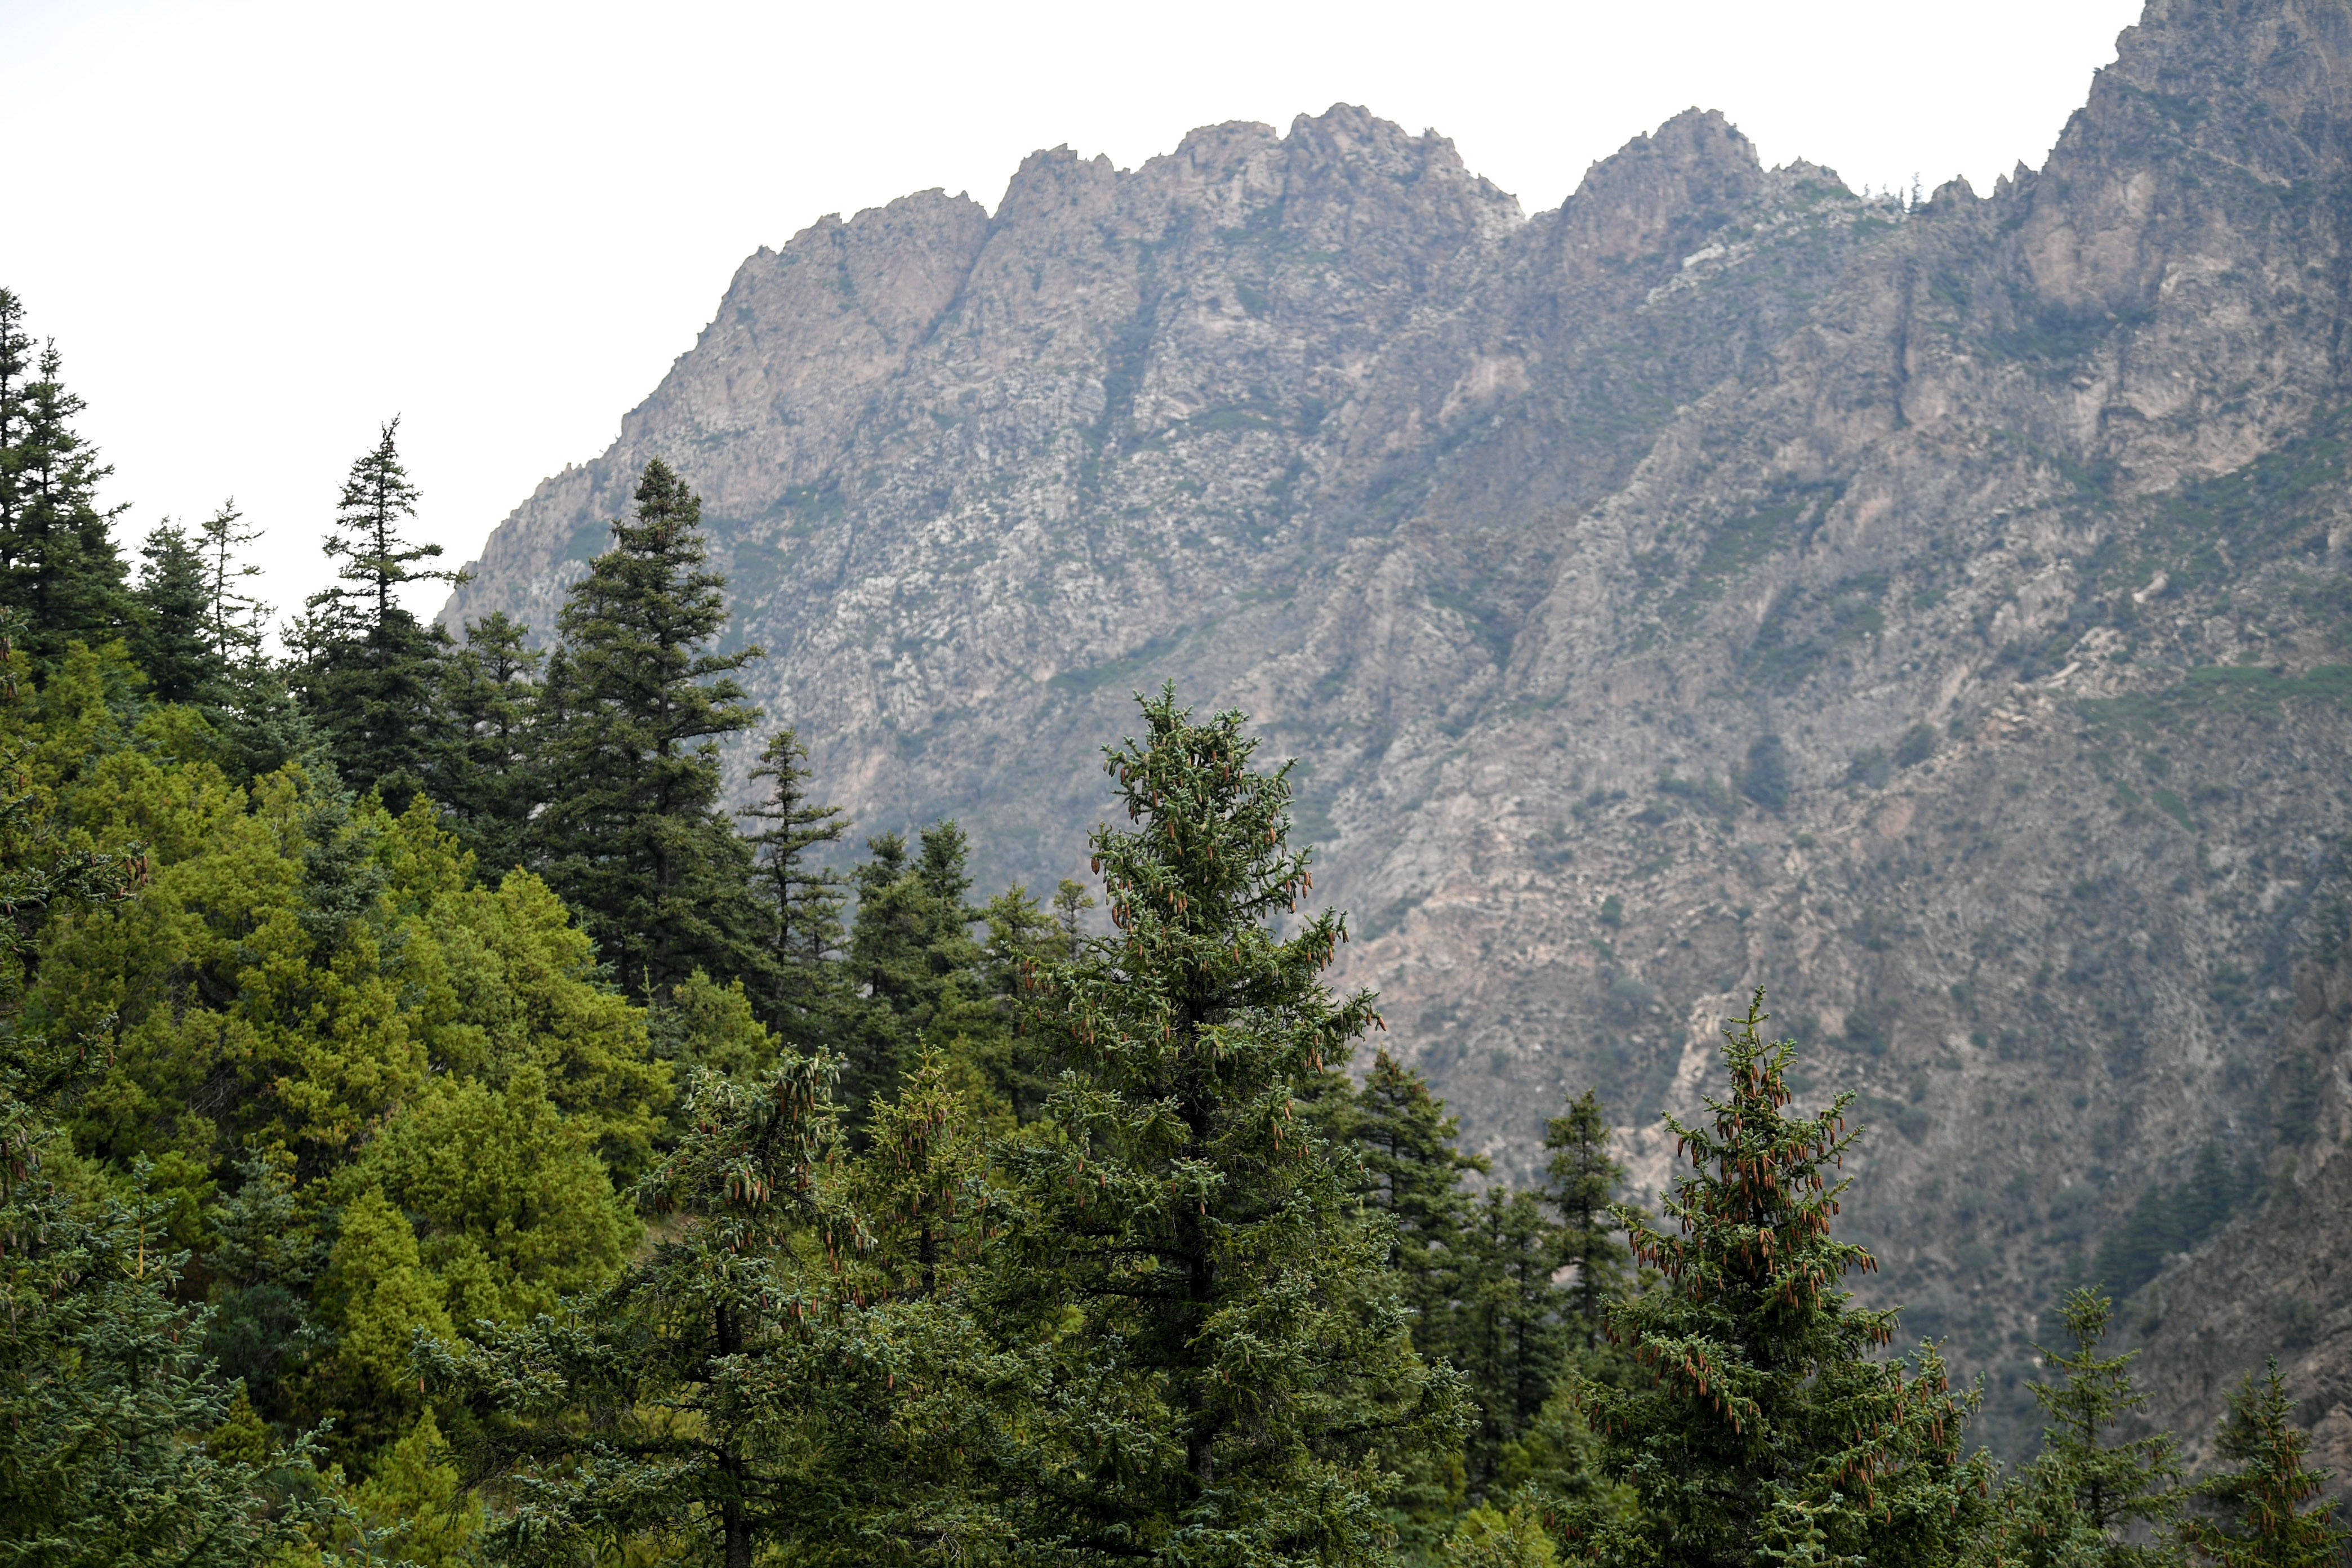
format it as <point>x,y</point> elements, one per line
<point>169,636</point>
<point>912,952</point>
<point>799,896</point>
<point>1511,1338</point>
<point>58,566</point>
<point>486,775</point>
<point>2267,1508</point>
<point>1765,1429</point>
<point>632,834</point>
<point>1212,1358</point>
<point>1412,1173</point>
<point>369,666</point>
<point>234,621</point>
<point>2088,1498</point>
<point>1581,1182</point>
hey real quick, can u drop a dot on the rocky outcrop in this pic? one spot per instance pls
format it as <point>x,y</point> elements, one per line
<point>1937,615</point>
<point>2261,1288</point>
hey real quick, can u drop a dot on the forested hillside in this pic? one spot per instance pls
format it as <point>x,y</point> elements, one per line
<point>437,1128</point>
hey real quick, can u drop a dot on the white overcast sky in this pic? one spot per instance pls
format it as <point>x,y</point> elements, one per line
<point>257,228</point>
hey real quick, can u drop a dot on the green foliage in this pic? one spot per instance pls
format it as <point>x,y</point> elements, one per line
<point>2263,1505</point>
<point>1509,1339</point>
<point>379,1296</point>
<point>1412,1173</point>
<point>1871,768</point>
<point>1915,746</point>
<point>514,1208</point>
<point>369,666</point>
<point>2086,1500</point>
<point>750,1383</point>
<point>1219,1369</point>
<point>103,1378</point>
<point>102,1383</point>
<point>1765,1426</point>
<point>2168,1218</point>
<point>1581,1182</point>
<point>2252,690</point>
<point>60,571</point>
<point>912,952</point>
<point>170,636</point>
<point>298,971</point>
<point>487,776</point>
<point>1018,1067</point>
<point>799,897</point>
<point>418,1502</point>
<point>631,831</point>
<point>1488,1538</point>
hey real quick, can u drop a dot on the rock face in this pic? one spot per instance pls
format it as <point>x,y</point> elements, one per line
<point>1938,615</point>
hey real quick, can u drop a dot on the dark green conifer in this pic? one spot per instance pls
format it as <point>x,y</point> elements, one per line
<point>632,834</point>
<point>256,710</point>
<point>1580,1184</point>
<point>487,774</point>
<point>1764,1429</point>
<point>1413,1174</point>
<point>1509,1338</point>
<point>772,1380</point>
<point>58,566</point>
<point>370,667</point>
<point>2087,1499</point>
<point>798,897</point>
<point>1212,1356</point>
<point>234,621</point>
<point>2269,1511</point>
<point>912,952</point>
<point>170,636</point>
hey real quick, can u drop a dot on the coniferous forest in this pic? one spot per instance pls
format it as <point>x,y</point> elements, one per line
<point>438,1124</point>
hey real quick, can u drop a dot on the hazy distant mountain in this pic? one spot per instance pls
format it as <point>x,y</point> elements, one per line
<point>1938,615</point>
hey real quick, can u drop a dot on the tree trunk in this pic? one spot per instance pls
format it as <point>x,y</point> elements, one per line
<point>737,1527</point>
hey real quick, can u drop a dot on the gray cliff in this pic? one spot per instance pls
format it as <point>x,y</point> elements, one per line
<point>1940,615</point>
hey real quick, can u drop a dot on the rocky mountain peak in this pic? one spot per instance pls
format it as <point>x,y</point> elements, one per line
<point>1938,615</point>
<point>1681,183</point>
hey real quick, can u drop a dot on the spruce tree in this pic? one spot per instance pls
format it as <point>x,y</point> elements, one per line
<point>912,952</point>
<point>771,1381</point>
<point>1581,1184</point>
<point>487,774</point>
<point>1763,1429</point>
<point>1412,1173</point>
<point>1215,1368</point>
<point>58,566</point>
<point>369,665</point>
<point>798,897</point>
<point>2263,1504</point>
<point>234,621</point>
<point>632,834</point>
<point>169,636</point>
<point>254,705</point>
<point>1510,1338</point>
<point>2087,1498</point>
<point>1017,1067</point>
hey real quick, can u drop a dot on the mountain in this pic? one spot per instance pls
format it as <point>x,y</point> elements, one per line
<point>1937,612</point>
